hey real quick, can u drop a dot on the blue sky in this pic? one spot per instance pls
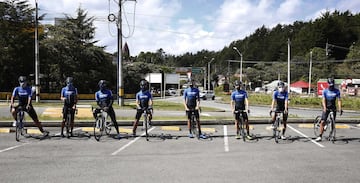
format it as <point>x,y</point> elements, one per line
<point>180,26</point>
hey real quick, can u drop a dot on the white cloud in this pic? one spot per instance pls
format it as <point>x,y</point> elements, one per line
<point>168,24</point>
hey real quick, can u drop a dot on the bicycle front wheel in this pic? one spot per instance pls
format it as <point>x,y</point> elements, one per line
<point>276,131</point>
<point>67,124</point>
<point>241,129</point>
<point>18,131</point>
<point>332,130</point>
<point>146,127</point>
<point>317,122</point>
<point>194,128</point>
<point>98,128</point>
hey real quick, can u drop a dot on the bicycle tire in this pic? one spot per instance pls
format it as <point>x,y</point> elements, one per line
<point>145,123</point>
<point>19,125</point>
<point>98,128</point>
<point>316,126</point>
<point>194,129</point>
<point>67,124</point>
<point>107,126</point>
<point>241,128</point>
<point>332,131</point>
<point>277,130</point>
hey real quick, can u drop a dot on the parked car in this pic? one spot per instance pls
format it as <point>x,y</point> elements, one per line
<point>207,94</point>
<point>171,91</point>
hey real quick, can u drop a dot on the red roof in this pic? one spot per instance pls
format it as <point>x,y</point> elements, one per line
<point>301,84</point>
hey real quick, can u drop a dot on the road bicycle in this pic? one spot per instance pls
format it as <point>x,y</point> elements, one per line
<point>241,125</point>
<point>20,123</point>
<point>68,120</point>
<point>147,121</point>
<point>276,126</point>
<point>194,126</point>
<point>101,124</point>
<point>329,126</point>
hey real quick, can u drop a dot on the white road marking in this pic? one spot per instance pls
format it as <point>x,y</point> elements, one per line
<point>353,127</point>
<point>131,142</point>
<point>313,141</point>
<point>226,139</point>
<point>76,129</point>
<point>205,114</point>
<point>13,147</point>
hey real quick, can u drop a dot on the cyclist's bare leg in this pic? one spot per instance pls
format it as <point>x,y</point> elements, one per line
<point>188,124</point>
<point>13,113</point>
<point>284,129</point>
<point>237,126</point>
<point>135,126</point>
<point>321,127</point>
<point>247,127</point>
<point>199,126</point>
<point>62,128</point>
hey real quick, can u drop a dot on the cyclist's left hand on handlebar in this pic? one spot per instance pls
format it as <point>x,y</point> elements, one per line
<point>28,107</point>
<point>341,112</point>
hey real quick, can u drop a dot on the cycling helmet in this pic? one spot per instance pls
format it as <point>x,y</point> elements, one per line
<point>191,82</point>
<point>102,84</point>
<point>22,81</point>
<point>331,83</point>
<point>281,86</point>
<point>69,81</point>
<point>237,84</point>
<point>144,85</point>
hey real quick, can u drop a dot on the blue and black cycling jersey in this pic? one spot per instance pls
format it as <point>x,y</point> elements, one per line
<point>330,98</point>
<point>104,98</point>
<point>280,98</point>
<point>143,97</point>
<point>239,97</point>
<point>69,93</point>
<point>23,94</point>
<point>191,95</point>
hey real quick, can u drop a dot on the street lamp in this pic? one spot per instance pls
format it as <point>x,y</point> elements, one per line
<point>241,59</point>
<point>212,59</point>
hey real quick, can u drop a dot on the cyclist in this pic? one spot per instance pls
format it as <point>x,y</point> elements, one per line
<point>69,95</point>
<point>104,100</point>
<point>280,97</point>
<point>239,101</point>
<point>328,103</point>
<point>144,102</point>
<point>192,103</point>
<point>24,94</point>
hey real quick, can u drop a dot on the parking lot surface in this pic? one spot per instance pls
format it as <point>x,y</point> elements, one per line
<point>170,156</point>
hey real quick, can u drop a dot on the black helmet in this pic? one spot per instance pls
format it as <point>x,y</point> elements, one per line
<point>69,80</point>
<point>281,84</point>
<point>237,83</point>
<point>22,79</point>
<point>331,81</point>
<point>102,84</point>
<point>144,85</point>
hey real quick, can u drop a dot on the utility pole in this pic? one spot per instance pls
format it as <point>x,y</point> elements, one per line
<point>37,65</point>
<point>209,72</point>
<point>289,65</point>
<point>310,73</point>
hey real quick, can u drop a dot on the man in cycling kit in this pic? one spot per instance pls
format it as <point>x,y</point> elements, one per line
<point>104,100</point>
<point>329,97</point>
<point>69,95</point>
<point>280,97</point>
<point>239,102</point>
<point>144,102</point>
<point>24,94</point>
<point>192,103</point>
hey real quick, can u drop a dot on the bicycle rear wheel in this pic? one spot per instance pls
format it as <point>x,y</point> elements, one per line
<point>98,128</point>
<point>317,122</point>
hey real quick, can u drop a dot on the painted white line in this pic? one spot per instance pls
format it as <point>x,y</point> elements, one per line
<point>226,139</point>
<point>10,148</point>
<point>313,141</point>
<point>205,114</point>
<point>353,127</point>
<point>131,142</point>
